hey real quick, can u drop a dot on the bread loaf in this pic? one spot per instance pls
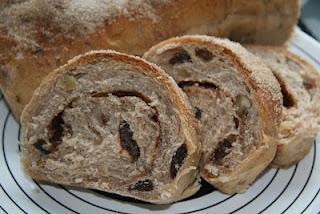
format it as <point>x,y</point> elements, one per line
<point>37,36</point>
<point>300,87</point>
<point>236,101</point>
<point>115,123</point>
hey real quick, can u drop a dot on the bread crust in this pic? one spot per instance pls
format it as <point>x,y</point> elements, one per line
<point>132,34</point>
<point>186,182</point>
<point>300,123</point>
<point>267,94</point>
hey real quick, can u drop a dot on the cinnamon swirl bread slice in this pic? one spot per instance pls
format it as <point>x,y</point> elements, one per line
<point>236,101</point>
<point>112,122</point>
<point>300,87</point>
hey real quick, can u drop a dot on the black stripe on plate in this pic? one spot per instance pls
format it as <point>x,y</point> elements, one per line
<point>88,202</point>
<point>315,194</point>
<point>273,177</point>
<point>6,119</point>
<point>210,205</point>
<point>3,210</point>
<point>19,131</point>
<point>318,62</point>
<point>53,197</point>
<point>305,184</point>
<point>3,131</point>
<point>311,201</point>
<point>292,175</point>
<point>6,161</point>
<point>5,192</point>
<point>266,187</point>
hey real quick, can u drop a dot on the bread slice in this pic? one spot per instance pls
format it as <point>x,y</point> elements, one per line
<point>38,36</point>
<point>236,100</point>
<point>300,87</point>
<point>115,123</point>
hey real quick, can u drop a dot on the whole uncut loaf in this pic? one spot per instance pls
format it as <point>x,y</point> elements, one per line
<point>300,87</point>
<point>236,101</point>
<point>37,36</point>
<point>115,123</point>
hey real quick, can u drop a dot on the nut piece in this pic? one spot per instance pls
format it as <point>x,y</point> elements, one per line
<point>103,170</point>
<point>183,73</point>
<point>66,83</point>
<point>243,103</point>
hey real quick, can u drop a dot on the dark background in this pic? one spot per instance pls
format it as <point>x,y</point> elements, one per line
<point>309,21</point>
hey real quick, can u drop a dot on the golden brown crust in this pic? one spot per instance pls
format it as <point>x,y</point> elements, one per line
<point>132,34</point>
<point>186,177</point>
<point>267,93</point>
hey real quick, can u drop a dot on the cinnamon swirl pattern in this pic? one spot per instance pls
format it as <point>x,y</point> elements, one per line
<point>112,122</point>
<point>236,101</point>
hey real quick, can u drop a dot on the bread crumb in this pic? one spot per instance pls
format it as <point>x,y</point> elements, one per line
<point>78,180</point>
<point>35,190</point>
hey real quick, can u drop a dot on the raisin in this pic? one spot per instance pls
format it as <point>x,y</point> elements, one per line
<point>198,113</point>
<point>155,118</point>
<point>236,122</point>
<point>221,151</point>
<point>178,159</point>
<point>18,99</point>
<point>39,145</point>
<point>127,142</point>
<point>56,128</point>
<point>99,94</point>
<point>208,85</point>
<point>308,85</point>
<point>131,94</point>
<point>122,94</point>
<point>145,185</point>
<point>288,100</point>
<point>204,54</point>
<point>180,57</point>
<point>36,49</point>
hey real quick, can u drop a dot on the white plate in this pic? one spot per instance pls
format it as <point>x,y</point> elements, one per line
<point>295,190</point>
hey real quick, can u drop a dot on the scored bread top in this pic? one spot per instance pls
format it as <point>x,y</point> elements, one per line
<point>23,20</point>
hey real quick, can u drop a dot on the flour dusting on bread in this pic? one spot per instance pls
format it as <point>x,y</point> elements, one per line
<point>71,17</point>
